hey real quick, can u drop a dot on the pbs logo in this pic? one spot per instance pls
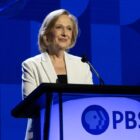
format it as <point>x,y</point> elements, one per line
<point>95,119</point>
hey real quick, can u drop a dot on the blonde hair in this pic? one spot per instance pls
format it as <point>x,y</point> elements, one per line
<point>48,24</point>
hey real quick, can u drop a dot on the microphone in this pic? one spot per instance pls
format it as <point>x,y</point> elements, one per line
<point>84,60</point>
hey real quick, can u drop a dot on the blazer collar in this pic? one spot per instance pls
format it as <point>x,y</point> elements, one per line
<point>48,67</point>
<point>69,68</point>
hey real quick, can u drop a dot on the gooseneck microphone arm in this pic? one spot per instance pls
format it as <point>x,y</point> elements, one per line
<point>84,60</point>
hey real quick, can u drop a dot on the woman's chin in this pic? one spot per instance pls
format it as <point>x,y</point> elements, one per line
<point>63,47</point>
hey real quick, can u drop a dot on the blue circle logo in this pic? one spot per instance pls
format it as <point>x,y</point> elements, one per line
<point>95,119</point>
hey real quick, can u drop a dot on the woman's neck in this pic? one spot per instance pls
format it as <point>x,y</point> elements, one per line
<point>57,56</point>
<point>55,52</point>
<point>58,62</point>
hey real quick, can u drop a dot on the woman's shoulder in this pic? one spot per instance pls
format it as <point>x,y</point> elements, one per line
<point>77,60</point>
<point>72,56</point>
<point>35,58</point>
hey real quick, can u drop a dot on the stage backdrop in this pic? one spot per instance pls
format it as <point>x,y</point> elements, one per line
<point>109,36</point>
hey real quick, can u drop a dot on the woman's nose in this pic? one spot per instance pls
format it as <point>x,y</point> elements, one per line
<point>63,32</point>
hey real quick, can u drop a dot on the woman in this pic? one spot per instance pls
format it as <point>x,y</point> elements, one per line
<point>57,35</point>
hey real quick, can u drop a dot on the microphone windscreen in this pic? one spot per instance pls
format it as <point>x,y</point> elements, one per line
<point>84,59</point>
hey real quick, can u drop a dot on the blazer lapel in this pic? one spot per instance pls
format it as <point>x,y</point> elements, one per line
<point>69,68</point>
<point>48,67</point>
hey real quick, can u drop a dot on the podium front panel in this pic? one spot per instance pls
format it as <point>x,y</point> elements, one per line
<point>96,116</point>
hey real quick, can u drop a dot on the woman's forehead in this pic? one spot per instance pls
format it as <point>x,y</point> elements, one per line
<point>64,19</point>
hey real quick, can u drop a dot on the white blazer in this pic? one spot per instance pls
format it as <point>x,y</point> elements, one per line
<point>39,69</point>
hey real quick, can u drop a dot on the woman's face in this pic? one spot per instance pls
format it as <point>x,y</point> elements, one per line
<point>62,32</point>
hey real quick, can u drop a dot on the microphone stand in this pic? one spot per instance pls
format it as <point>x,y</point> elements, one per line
<point>101,82</point>
<point>84,60</point>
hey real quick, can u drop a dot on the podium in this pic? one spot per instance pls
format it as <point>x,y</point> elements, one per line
<point>77,111</point>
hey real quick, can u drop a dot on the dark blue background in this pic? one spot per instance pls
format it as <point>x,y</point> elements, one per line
<point>109,36</point>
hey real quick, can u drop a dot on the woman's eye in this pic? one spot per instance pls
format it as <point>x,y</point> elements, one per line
<point>58,27</point>
<point>69,28</point>
<point>62,27</point>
